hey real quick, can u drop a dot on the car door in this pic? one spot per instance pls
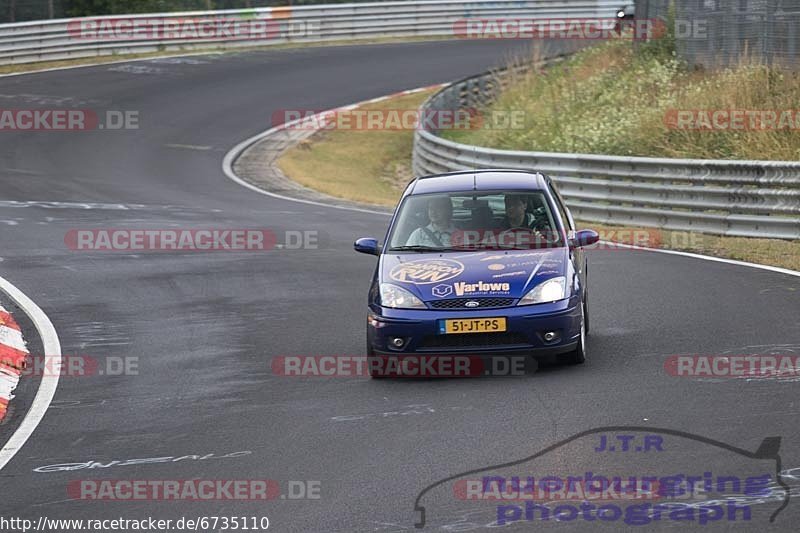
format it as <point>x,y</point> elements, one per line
<point>577,255</point>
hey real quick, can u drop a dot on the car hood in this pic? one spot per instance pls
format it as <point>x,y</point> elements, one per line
<point>490,274</point>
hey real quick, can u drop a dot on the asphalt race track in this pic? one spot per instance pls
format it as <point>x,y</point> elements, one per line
<point>205,326</point>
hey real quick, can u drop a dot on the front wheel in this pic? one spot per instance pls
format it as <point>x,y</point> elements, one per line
<point>578,357</point>
<point>375,369</point>
<point>586,310</point>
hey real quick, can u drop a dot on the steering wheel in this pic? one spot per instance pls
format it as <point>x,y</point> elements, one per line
<point>517,237</point>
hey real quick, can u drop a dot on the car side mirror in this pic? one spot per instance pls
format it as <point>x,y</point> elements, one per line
<point>585,237</point>
<point>367,245</point>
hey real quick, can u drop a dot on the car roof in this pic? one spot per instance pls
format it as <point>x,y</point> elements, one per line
<point>478,180</point>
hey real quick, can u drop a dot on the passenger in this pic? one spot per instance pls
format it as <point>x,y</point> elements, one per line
<point>439,232</point>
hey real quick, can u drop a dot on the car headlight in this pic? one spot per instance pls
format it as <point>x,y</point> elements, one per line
<point>548,291</point>
<point>399,298</point>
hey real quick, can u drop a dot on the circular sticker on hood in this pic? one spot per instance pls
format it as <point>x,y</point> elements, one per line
<point>426,271</point>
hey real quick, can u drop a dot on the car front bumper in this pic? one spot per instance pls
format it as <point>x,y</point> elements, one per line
<point>525,331</point>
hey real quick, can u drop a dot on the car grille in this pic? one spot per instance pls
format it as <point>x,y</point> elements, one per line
<point>474,340</point>
<point>458,303</point>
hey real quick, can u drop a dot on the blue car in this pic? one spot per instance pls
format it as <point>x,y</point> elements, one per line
<point>482,264</point>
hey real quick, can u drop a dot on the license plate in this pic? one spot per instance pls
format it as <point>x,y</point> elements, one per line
<point>472,325</point>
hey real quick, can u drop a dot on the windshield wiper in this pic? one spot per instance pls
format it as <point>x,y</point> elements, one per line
<point>434,249</point>
<point>417,248</point>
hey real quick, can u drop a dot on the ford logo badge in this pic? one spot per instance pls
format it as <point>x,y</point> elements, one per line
<point>472,303</point>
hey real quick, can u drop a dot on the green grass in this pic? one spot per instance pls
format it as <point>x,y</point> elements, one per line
<point>611,99</point>
<point>774,252</point>
<point>370,166</point>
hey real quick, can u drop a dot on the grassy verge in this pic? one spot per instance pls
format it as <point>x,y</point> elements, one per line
<point>774,252</point>
<point>611,99</point>
<point>371,166</point>
<point>374,166</point>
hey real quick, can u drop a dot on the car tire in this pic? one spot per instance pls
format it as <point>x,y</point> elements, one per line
<point>531,365</point>
<point>586,310</point>
<point>578,356</point>
<point>586,297</point>
<point>374,373</point>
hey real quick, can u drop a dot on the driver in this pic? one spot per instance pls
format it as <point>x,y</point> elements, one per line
<point>440,231</point>
<point>518,218</point>
<point>517,215</point>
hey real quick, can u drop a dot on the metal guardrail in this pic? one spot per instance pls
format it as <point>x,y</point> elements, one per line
<point>736,198</point>
<point>60,39</point>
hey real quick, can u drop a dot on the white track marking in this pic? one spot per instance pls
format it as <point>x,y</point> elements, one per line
<point>236,151</point>
<point>49,382</point>
<point>189,146</point>
<point>227,167</point>
<point>779,270</point>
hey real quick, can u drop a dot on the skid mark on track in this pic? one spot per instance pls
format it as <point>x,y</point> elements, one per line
<point>100,206</point>
<point>137,69</point>
<point>178,61</point>
<point>93,334</point>
<point>190,147</point>
<point>55,100</point>
<point>73,404</point>
<point>21,171</point>
<point>68,205</point>
<point>407,410</point>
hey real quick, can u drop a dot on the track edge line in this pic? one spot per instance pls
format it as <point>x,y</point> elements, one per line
<point>49,382</point>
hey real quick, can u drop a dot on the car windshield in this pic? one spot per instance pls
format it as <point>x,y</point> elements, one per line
<point>511,220</point>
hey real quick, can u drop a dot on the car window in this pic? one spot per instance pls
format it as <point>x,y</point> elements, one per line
<point>562,209</point>
<point>474,221</point>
